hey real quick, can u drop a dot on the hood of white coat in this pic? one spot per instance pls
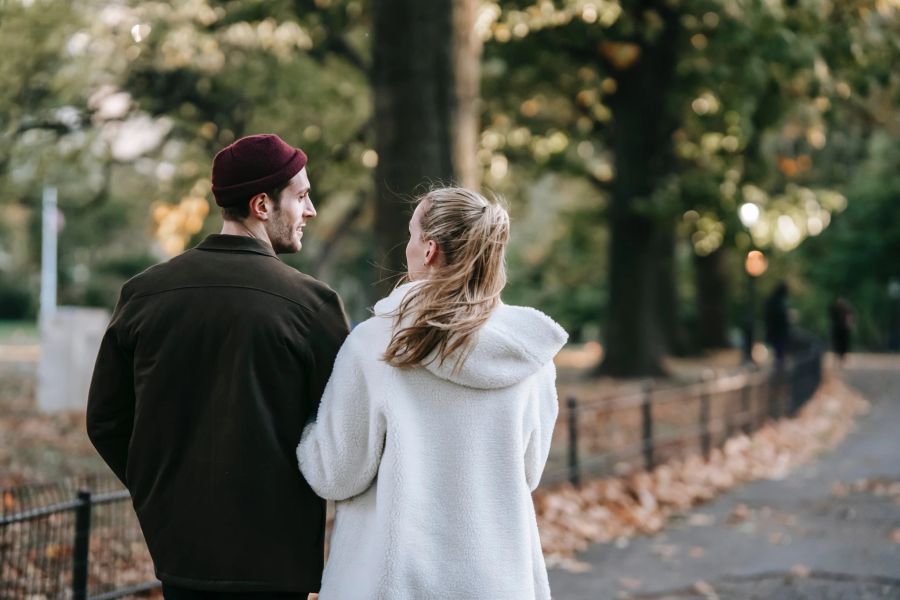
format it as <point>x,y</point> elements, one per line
<point>514,343</point>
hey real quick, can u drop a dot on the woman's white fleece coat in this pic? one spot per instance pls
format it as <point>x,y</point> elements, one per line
<point>433,471</point>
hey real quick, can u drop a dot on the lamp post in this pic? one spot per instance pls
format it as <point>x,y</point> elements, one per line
<point>755,264</point>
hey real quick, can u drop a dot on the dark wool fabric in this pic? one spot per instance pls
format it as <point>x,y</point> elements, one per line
<point>253,165</point>
<point>210,367</point>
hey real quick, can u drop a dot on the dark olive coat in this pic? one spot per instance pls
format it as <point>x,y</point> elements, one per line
<point>210,367</point>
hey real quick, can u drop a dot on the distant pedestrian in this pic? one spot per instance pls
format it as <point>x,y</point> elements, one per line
<point>777,322</point>
<point>841,316</point>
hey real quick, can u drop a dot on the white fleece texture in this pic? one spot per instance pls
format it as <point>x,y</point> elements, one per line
<point>433,471</point>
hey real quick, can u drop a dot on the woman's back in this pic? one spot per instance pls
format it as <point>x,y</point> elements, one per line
<point>434,466</point>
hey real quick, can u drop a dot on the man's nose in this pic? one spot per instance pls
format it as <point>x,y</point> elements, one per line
<point>310,209</point>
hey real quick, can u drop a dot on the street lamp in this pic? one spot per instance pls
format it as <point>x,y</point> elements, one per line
<point>755,264</point>
<point>749,214</point>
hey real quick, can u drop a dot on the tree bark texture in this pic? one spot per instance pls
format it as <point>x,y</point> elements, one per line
<point>426,120</point>
<point>712,300</point>
<point>643,122</point>
<point>467,50</point>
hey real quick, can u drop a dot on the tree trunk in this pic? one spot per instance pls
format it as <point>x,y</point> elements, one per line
<point>712,300</point>
<point>467,51</point>
<point>674,336</point>
<point>413,85</point>
<point>643,122</point>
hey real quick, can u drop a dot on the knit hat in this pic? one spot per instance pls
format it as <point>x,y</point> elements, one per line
<point>253,165</point>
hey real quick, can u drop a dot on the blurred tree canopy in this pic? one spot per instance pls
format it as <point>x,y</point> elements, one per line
<point>625,134</point>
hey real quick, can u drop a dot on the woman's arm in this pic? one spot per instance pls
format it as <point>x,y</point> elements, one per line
<point>340,451</point>
<point>543,411</point>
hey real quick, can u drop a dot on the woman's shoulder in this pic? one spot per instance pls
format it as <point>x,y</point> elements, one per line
<point>369,337</point>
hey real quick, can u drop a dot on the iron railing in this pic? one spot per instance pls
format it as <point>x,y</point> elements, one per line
<point>649,425</point>
<point>75,539</point>
<point>80,539</point>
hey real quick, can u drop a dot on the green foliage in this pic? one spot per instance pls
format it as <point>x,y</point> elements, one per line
<point>856,257</point>
<point>788,105</point>
<point>17,301</point>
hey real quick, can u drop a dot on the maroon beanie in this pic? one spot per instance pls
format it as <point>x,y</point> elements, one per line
<point>253,165</point>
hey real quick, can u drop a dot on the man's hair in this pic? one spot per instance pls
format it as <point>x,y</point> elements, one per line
<point>241,210</point>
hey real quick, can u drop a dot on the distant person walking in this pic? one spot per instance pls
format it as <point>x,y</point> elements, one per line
<point>778,328</point>
<point>436,424</point>
<point>211,365</point>
<point>841,316</point>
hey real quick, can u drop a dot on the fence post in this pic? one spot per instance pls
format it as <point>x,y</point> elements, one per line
<point>745,404</point>
<point>647,424</point>
<point>574,470</point>
<point>705,438</point>
<point>772,400</point>
<point>82,546</point>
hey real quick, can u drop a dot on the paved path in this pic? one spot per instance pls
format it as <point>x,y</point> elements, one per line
<point>799,540</point>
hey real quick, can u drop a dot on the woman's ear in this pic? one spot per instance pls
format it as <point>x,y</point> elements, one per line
<point>432,253</point>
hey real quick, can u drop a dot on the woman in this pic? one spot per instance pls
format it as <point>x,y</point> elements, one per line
<point>436,423</point>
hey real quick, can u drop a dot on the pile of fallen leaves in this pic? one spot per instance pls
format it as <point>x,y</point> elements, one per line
<point>39,447</point>
<point>570,518</point>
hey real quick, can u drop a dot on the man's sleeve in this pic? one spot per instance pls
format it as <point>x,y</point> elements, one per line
<point>110,408</point>
<point>327,332</point>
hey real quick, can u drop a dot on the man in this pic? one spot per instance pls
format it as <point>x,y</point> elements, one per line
<point>211,365</point>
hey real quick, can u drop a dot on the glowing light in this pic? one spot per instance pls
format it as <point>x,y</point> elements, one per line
<point>140,32</point>
<point>530,107</point>
<point>585,150</point>
<point>749,214</point>
<point>814,226</point>
<point>787,234</point>
<point>700,106</point>
<point>499,167</point>
<point>755,264</point>
<point>370,159</point>
<point>711,20</point>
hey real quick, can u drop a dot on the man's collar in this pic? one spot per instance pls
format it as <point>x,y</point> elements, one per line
<point>219,242</point>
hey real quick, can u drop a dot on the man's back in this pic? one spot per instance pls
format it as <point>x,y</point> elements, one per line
<point>211,365</point>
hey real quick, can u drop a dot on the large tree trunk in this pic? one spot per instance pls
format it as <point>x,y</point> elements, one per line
<point>413,83</point>
<point>674,336</point>
<point>712,300</point>
<point>643,122</point>
<point>467,49</point>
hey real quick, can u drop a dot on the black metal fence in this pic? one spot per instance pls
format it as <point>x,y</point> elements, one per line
<point>78,539</point>
<point>648,426</point>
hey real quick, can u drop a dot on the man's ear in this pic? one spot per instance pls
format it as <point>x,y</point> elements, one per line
<point>259,208</point>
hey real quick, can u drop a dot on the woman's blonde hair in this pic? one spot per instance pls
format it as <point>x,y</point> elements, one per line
<point>446,310</point>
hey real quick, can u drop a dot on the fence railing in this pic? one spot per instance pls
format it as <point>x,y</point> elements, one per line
<point>75,539</point>
<point>648,426</point>
<point>80,539</point>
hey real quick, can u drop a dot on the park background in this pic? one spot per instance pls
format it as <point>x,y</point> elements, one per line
<point>646,149</point>
<point>625,137</point>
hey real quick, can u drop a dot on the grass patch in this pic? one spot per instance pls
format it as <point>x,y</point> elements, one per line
<point>17,332</point>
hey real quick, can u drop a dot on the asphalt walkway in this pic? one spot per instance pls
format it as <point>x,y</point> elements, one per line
<point>831,530</point>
